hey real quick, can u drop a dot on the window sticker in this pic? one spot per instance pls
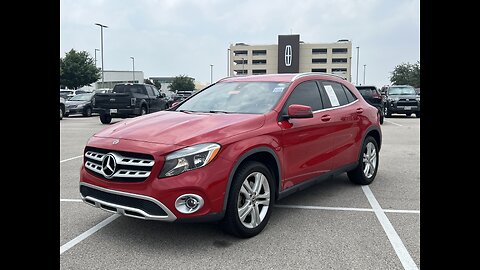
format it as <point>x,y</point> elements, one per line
<point>331,95</point>
<point>278,89</point>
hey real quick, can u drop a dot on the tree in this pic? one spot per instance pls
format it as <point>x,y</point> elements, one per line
<point>406,73</point>
<point>78,69</point>
<point>157,84</point>
<point>182,82</point>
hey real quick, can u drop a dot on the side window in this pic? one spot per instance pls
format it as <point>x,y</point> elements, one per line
<point>335,93</point>
<point>150,91</point>
<point>306,93</point>
<point>155,91</point>
<point>350,96</point>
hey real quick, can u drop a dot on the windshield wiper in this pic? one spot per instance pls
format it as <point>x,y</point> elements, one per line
<point>217,111</point>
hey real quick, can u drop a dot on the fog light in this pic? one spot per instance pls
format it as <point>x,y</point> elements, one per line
<point>188,203</point>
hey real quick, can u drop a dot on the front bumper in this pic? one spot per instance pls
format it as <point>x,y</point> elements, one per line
<point>155,193</point>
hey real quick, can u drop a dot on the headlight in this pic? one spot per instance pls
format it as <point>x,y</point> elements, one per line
<point>189,158</point>
<point>392,99</point>
<point>80,106</point>
<point>418,98</point>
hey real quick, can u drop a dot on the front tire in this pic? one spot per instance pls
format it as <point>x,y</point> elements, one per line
<point>61,113</point>
<point>367,167</point>
<point>105,118</point>
<point>409,114</point>
<point>87,112</point>
<point>417,114</point>
<point>250,200</point>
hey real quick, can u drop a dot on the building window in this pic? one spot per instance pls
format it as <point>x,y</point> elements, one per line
<point>240,72</point>
<point>319,70</point>
<point>339,60</point>
<point>241,62</point>
<point>259,62</point>
<point>319,60</point>
<point>339,50</point>
<point>339,70</point>
<point>240,53</point>
<point>259,52</point>
<point>319,51</point>
<point>259,71</point>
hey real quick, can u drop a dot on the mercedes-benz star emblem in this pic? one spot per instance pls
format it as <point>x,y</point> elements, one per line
<point>109,165</point>
<point>115,141</point>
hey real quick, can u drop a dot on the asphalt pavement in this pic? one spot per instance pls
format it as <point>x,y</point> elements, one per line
<point>332,225</point>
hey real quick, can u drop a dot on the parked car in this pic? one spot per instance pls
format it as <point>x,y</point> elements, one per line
<point>233,149</point>
<point>63,108</point>
<point>67,94</point>
<point>81,103</point>
<point>128,100</point>
<point>402,99</point>
<point>372,95</point>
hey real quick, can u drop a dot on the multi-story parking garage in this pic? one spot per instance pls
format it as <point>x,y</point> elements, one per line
<point>291,55</point>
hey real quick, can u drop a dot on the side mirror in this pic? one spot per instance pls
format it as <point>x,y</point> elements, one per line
<point>299,111</point>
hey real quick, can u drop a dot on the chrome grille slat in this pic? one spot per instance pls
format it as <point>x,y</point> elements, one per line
<point>94,160</point>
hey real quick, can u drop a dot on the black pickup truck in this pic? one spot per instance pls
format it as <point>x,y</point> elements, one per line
<point>128,100</point>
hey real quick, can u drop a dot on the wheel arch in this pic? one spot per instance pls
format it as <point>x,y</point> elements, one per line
<point>264,155</point>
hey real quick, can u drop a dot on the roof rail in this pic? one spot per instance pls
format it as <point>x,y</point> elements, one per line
<point>315,73</point>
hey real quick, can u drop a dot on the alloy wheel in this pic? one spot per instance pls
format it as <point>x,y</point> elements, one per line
<point>253,200</point>
<point>369,160</point>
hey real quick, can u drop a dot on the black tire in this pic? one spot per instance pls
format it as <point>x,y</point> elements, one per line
<point>387,113</point>
<point>66,114</point>
<point>417,114</point>
<point>87,112</point>
<point>105,118</point>
<point>357,175</point>
<point>143,110</point>
<point>409,114</point>
<point>231,222</point>
<point>381,119</point>
<point>61,113</point>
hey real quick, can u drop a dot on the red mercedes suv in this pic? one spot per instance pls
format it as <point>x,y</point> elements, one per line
<point>230,151</point>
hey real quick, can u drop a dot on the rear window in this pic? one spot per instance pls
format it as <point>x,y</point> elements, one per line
<point>122,88</point>
<point>367,91</point>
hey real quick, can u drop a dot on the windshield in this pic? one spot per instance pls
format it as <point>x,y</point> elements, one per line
<point>401,90</point>
<point>82,97</point>
<point>236,97</point>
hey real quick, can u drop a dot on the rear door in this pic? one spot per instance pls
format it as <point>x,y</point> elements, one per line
<point>345,114</point>
<point>307,143</point>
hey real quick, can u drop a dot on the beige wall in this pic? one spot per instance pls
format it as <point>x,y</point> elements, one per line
<point>306,57</point>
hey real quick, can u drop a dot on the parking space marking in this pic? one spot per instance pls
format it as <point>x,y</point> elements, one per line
<point>68,159</point>
<point>392,235</point>
<point>309,207</point>
<point>71,200</point>
<point>86,234</point>
<point>393,123</point>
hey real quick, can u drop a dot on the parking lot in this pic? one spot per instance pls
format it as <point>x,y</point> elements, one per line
<point>332,225</point>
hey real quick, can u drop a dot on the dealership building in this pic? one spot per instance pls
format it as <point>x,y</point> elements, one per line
<point>291,55</point>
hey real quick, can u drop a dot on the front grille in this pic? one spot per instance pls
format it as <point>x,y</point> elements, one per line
<point>127,167</point>
<point>405,102</point>
<point>147,206</point>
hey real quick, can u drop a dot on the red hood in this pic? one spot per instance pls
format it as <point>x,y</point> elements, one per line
<point>168,127</point>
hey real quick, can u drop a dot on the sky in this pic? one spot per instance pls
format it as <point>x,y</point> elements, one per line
<point>185,37</point>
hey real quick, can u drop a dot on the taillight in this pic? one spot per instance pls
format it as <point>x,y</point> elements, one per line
<point>132,101</point>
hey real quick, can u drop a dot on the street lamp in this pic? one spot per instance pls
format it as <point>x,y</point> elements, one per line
<point>243,66</point>
<point>364,66</point>
<point>133,65</point>
<point>101,38</point>
<point>211,73</point>
<point>228,62</point>
<point>96,57</point>
<point>358,56</point>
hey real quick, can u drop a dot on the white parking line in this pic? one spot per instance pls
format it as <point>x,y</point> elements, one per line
<point>345,209</point>
<point>86,234</point>
<point>392,235</point>
<point>68,159</point>
<point>393,123</point>
<point>71,200</point>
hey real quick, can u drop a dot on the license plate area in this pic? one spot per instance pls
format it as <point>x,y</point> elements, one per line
<point>113,110</point>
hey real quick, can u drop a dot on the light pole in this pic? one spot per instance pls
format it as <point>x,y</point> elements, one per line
<point>211,73</point>
<point>101,38</point>
<point>133,67</point>
<point>96,57</point>
<point>358,56</point>
<point>243,66</point>
<point>228,62</point>
<point>364,66</point>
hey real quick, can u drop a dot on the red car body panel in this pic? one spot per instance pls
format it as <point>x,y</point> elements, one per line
<point>303,148</point>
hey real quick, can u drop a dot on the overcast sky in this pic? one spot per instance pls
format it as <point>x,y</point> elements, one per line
<point>174,37</point>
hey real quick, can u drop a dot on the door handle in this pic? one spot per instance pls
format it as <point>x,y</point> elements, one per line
<point>325,118</point>
<point>359,110</point>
